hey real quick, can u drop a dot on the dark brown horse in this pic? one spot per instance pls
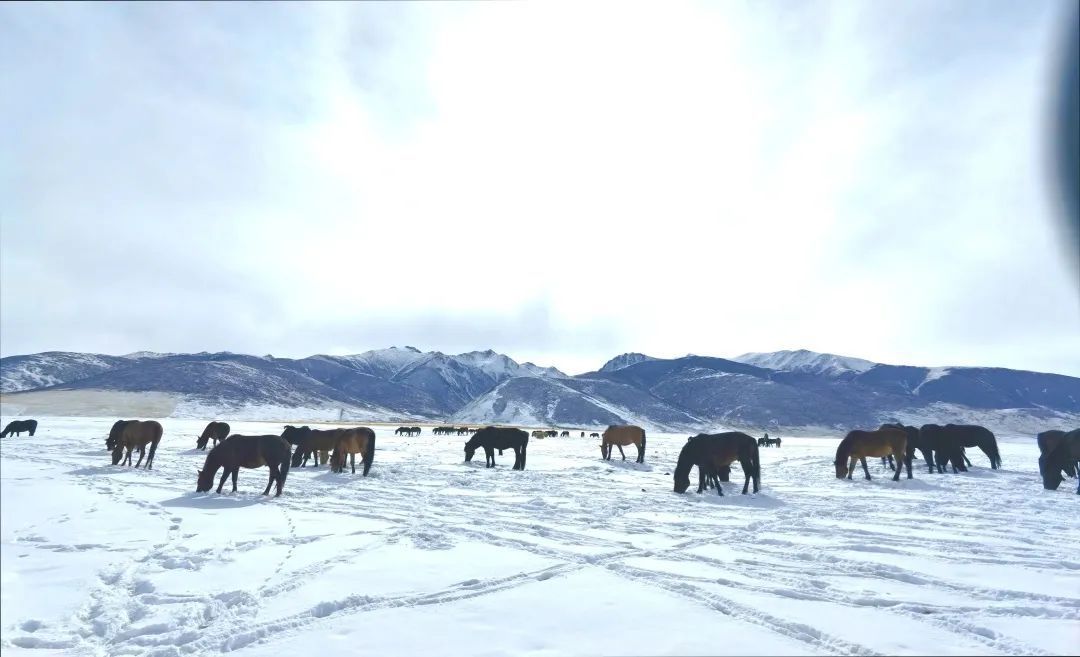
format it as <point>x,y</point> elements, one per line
<point>18,426</point>
<point>136,435</point>
<point>498,438</point>
<point>218,431</point>
<point>711,452</point>
<point>360,440</point>
<point>623,434</point>
<point>1065,456</point>
<point>316,442</point>
<point>114,433</point>
<point>857,445</point>
<point>246,452</point>
<point>1048,442</point>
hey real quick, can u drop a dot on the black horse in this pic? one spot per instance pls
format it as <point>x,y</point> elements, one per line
<point>944,446</point>
<point>972,435</point>
<point>1047,442</point>
<point>495,438</point>
<point>710,453</point>
<point>1064,456</point>
<point>115,433</point>
<point>295,435</point>
<point>18,426</point>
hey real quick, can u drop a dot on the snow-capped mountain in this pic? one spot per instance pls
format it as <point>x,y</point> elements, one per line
<point>787,389</point>
<point>808,362</point>
<point>624,360</point>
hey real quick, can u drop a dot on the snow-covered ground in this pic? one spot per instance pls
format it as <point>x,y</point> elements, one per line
<point>574,556</point>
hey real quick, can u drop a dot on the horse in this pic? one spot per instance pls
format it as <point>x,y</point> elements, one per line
<point>217,430</point>
<point>318,442</point>
<point>582,434</point>
<point>1064,456</point>
<point>492,438</point>
<point>136,434</point>
<point>594,435</point>
<point>415,431</point>
<point>710,452</point>
<point>858,444</point>
<point>114,433</point>
<point>351,441</point>
<point>565,434</point>
<point>237,452</point>
<point>539,433</point>
<point>761,442</point>
<point>295,435</point>
<point>401,430</point>
<point>623,434</point>
<point>769,442</point>
<point>945,446</point>
<point>1048,442</point>
<point>551,434</point>
<point>18,426</point>
<point>973,435</point>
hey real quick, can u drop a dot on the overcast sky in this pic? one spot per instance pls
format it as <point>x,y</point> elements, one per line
<point>561,182</point>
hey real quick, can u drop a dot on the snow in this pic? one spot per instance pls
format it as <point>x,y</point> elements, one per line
<point>805,361</point>
<point>572,556</point>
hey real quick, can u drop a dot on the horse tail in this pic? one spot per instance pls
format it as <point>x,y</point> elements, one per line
<point>755,457</point>
<point>643,445</point>
<point>369,453</point>
<point>524,448</point>
<point>994,453</point>
<point>283,467</point>
<point>33,426</point>
<point>158,431</point>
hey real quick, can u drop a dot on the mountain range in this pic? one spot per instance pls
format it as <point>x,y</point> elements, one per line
<point>779,391</point>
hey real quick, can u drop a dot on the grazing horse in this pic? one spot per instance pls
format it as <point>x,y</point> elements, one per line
<point>237,452</point>
<point>565,434</point>
<point>973,435</point>
<point>136,434</point>
<point>352,441</point>
<point>594,435</point>
<point>496,438</point>
<point>1048,442</point>
<point>317,442</point>
<point>582,434</point>
<point>1064,456</point>
<point>217,430</point>
<point>914,441</point>
<point>710,452</point>
<point>539,433</point>
<point>415,431</point>
<point>623,434</point>
<point>18,426</point>
<point>858,444</point>
<point>551,434</point>
<point>114,433</point>
<point>769,442</point>
<point>946,446</point>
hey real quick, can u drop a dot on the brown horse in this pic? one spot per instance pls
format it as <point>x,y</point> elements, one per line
<point>318,442</point>
<point>539,434</point>
<point>857,445</point>
<point>246,452</point>
<point>136,434</point>
<point>623,434</point>
<point>352,441</point>
<point>712,453</point>
<point>219,431</point>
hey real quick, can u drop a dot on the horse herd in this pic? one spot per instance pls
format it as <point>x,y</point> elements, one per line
<point>712,454</point>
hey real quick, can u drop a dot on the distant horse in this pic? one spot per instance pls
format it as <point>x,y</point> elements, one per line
<point>18,426</point>
<point>539,434</point>
<point>415,431</point>
<point>246,452</point>
<point>594,435</point>
<point>496,438</point>
<point>551,434</point>
<point>710,452</point>
<point>136,434</point>
<point>317,442</point>
<point>1048,442</point>
<point>217,430</point>
<point>1064,456</point>
<point>623,434</point>
<point>352,441</point>
<point>401,430</point>
<point>761,441</point>
<point>582,434</point>
<point>858,444</point>
<point>769,442</point>
<point>565,434</point>
<point>114,433</point>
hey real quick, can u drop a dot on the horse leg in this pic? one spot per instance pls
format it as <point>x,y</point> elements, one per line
<point>224,476</point>
<point>640,453</point>
<point>967,461</point>
<point>352,461</point>
<point>747,470</point>
<point>273,476</point>
<point>235,472</point>
<point>899,466</point>
<point>621,452</point>
<point>851,466</point>
<point>865,469</point>
<point>701,479</point>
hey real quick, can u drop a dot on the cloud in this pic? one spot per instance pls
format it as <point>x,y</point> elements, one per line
<point>563,183</point>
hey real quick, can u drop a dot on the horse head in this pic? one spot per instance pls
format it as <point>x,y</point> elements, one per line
<point>469,451</point>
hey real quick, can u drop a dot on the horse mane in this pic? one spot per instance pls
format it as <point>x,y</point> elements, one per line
<point>844,448</point>
<point>686,459</point>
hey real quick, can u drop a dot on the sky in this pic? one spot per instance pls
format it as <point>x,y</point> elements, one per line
<point>561,182</point>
